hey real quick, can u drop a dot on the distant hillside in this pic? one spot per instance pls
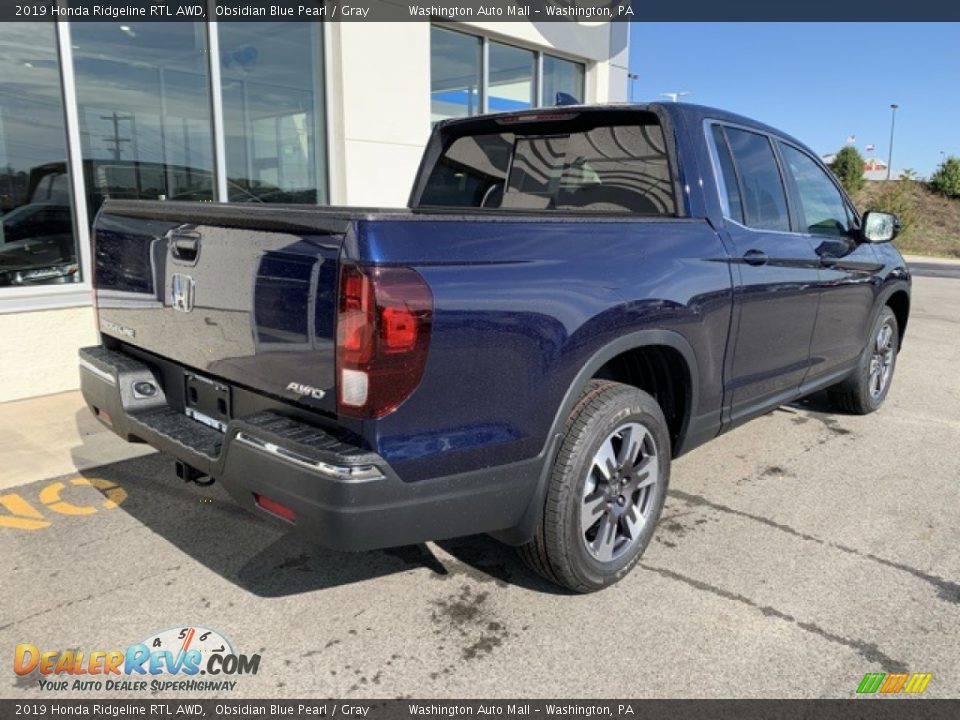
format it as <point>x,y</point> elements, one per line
<point>932,222</point>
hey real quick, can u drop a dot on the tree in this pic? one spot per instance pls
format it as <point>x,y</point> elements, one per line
<point>848,167</point>
<point>946,178</point>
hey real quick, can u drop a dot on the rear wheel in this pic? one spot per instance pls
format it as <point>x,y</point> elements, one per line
<point>866,389</point>
<point>606,491</point>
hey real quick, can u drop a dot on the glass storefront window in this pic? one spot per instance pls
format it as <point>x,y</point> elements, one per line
<point>561,76</point>
<point>144,109</point>
<point>37,242</point>
<point>511,85</point>
<point>271,78</point>
<point>459,79</point>
<point>455,60</point>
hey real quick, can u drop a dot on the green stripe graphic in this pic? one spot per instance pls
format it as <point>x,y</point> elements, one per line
<point>871,682</point>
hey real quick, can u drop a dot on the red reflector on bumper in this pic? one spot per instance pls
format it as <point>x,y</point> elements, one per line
<point>103,416</point>
<point>272,506</point>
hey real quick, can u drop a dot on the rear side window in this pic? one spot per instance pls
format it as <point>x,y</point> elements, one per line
<point>613,168</point>
<point>730,187</point>
<point>763,197</point>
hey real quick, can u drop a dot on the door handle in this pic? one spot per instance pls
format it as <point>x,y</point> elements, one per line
<point>185,245</point>
<point>827,261</point>
<point>755,257</point>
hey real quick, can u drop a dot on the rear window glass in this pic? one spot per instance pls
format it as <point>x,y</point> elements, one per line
<point>613,168</point>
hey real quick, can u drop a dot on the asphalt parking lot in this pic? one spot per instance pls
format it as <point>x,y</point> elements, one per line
<point>795,554</point>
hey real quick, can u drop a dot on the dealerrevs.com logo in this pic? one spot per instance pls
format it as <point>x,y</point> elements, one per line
<point>188,659</point>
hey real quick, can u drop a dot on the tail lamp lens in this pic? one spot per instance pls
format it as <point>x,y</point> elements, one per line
<point>383,332</point>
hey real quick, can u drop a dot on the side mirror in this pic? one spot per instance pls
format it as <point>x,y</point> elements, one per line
<point>879,227</point>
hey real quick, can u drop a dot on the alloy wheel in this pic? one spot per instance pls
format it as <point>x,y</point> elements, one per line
<point>620,484</point>
<point>881,361</point>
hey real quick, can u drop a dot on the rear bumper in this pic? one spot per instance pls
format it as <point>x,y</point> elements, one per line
<point>342,496</point>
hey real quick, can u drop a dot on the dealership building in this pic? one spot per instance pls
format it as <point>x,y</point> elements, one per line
<point>243,112</point>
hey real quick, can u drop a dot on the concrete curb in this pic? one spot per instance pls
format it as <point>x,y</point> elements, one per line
<point>935,260</point>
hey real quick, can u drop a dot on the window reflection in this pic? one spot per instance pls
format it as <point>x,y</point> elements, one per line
<point>454,74</point>
<point>273,111</point>
<point>144,108</point>
<point>561,76</point>
<point>37,244</point>
<point>511,78</point>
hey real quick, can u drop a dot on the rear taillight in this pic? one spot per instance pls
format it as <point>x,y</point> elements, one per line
<point>383,332</point>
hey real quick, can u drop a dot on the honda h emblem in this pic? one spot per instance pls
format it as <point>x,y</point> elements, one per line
<point>181,292</point>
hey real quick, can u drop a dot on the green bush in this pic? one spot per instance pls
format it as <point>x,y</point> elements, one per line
<point>848,167</point>
<point>946,178</point>
<point>895,197</point>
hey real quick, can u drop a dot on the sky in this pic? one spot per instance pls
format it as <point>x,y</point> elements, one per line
<point>819,82</point>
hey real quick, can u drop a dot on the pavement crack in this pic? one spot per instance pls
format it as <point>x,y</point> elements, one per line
<point>947,590</point>
<point>869,651</point>
<point>703,502</point>
<point>92,596</point>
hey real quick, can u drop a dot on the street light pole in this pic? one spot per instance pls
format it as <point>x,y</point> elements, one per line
<point>630,78</point>
<point>893,121</point>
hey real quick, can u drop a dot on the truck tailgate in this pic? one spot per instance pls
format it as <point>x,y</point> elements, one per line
<point>252,305</point>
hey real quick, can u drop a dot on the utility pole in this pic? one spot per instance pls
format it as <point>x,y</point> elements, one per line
<point>115,147</point>
<point>675,95</point>
<point>893,122</point>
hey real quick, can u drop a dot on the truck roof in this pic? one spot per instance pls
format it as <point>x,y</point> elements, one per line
<point>691,114</point>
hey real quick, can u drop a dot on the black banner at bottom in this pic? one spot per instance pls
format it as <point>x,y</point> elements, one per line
<point>872,708</point>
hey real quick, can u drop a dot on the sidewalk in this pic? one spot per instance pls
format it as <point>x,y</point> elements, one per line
<point>911,259</point>
<point>55,435</point>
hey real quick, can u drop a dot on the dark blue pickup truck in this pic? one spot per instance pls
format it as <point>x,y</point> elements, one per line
<point>574,297</point>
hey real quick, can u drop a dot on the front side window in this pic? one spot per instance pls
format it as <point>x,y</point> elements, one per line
<point>37,243</point>
<point>763,197</point>
<point>822,206</point>
<point>610,168</point>
<point>455,60</point>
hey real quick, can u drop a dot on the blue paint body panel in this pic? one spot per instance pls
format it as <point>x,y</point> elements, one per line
<point>523,303</point>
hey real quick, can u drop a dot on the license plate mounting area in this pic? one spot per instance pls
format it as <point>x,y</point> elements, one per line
<point>207,401</point>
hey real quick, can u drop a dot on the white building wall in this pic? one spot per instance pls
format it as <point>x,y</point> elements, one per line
<point>39,355</point>
<point>381,90</point>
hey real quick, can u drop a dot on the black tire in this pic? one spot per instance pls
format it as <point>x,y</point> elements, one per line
<point>859,393</point>
<point>561,551</point>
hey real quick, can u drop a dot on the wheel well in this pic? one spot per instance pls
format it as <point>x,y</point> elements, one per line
<point>659,371</point>
<point>899,302</point>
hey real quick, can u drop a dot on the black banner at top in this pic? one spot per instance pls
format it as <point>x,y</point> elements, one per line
<point>322,10</point>
<point>535,11</point>
<point>53,708</point>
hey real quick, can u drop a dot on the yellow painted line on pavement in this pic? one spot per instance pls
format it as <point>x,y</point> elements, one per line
<point>18,513</point>
<point>23,516</point>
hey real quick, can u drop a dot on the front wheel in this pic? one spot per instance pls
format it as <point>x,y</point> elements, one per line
<point>606,491</point>
<point>866,389</point>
